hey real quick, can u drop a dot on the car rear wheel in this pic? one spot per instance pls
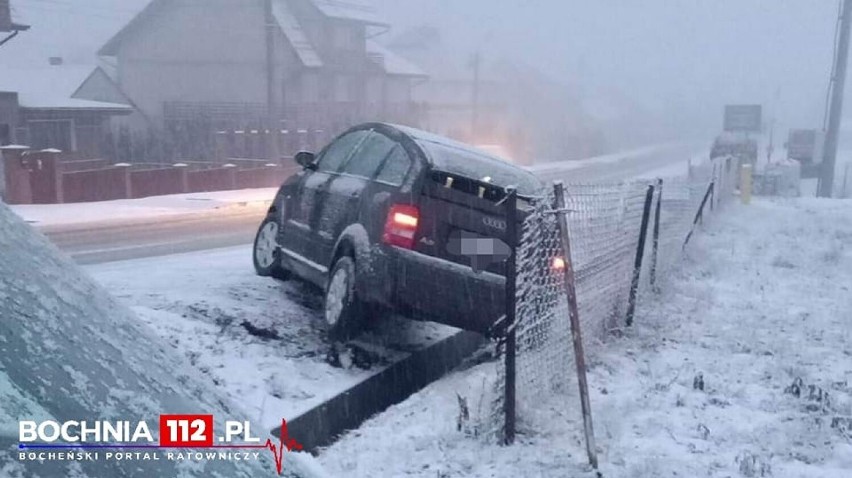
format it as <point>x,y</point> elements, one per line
<point>344,312</point>
<point>265,252</point>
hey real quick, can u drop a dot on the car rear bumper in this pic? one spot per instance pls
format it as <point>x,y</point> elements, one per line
<point>429,288</point>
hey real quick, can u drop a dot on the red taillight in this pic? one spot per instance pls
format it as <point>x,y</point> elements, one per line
<point>401,226</point>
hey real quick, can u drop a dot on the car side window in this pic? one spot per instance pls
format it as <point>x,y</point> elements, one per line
<point>396,167</point>
<point>369,156</point>
<point>338,151</point>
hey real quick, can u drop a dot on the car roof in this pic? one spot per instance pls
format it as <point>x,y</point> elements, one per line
<point>475,162</point>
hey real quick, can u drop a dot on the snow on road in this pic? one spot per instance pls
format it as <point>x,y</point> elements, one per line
<point>663,160</point>
<point>260,340</point>
<point>725,374</point>
<point>89,213</point>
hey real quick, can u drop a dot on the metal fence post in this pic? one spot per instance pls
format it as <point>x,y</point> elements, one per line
<point>656,244</point>
<point>712,192</point>
<point>511,302</point>
<point>720,196</point>
<point>574,315</point>
<point>640,250</point>
<point>713,179</point>
<point>699,214</point>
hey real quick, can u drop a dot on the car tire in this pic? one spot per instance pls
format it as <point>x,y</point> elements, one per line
<point>343,310</point>
<point>265,250</point>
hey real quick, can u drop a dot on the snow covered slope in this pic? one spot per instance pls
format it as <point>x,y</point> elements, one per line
<point>70,351</point>
<point>725,374</point>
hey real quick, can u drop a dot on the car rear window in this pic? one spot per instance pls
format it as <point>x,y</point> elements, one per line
<point>473,165</point>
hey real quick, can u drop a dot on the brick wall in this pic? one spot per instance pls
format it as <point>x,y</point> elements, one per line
<point>40,177</point>
<point>217,179</point>
<point>158,182</point>
<point>96,185</point>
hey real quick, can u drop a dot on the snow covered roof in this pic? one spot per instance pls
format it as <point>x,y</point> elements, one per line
<point>392,63</point>
<point>293,31</point>
<point>72,33</point>
<point>50,87</point>
<point>147,13</point>
<point>357,10</point>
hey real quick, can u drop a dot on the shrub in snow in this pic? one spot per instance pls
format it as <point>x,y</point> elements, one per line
<point>751,465</point>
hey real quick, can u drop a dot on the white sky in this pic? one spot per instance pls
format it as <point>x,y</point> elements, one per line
<point>685,58</point>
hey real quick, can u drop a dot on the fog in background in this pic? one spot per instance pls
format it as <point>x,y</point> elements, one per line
<point>619,73</point>
<point>670,65</point>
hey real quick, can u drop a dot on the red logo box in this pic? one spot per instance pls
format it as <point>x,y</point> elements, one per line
<point>186,431</point>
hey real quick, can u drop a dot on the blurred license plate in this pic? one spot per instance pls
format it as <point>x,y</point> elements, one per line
<point>482,251</point>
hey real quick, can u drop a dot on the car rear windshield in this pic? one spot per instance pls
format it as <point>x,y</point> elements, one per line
<point>470,164</point>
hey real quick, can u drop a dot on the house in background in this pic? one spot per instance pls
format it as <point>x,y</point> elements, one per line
<point>38,109</point>
<point>7,24</point>
<point>37,103</point>
<point>192,69</point>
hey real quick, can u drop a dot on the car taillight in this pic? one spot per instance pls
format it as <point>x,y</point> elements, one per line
<point>401,226</point>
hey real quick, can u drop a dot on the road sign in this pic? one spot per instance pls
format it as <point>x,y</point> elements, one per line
<point>745,118</point>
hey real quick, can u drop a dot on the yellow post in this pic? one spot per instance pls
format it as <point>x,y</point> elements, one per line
<point>745,183</point>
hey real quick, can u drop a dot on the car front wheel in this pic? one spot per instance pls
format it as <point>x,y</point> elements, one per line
<point>265,253</point>
<point>343,310</point>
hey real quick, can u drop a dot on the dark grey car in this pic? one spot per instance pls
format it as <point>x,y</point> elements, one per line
<point>390,217</point>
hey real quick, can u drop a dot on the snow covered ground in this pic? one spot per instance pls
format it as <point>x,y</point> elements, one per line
<point>43,215</point>
<point>602,159</point>
<point>741,367</point>
<point>260,340</point>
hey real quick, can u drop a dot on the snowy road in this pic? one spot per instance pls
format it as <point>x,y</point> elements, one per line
<point>653,161</point>
<point>151,236</point>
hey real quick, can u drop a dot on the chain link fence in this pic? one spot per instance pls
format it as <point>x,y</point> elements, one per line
<point>610,257</point>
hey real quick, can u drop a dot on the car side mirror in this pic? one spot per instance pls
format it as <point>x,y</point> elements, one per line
<point>306,159</point>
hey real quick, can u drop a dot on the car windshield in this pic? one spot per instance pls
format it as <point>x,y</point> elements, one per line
<point>475,165</point>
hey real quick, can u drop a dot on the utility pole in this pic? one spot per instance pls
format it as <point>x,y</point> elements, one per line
<point>474,125</point>
<point>826,182</point>
<point>271,104</point>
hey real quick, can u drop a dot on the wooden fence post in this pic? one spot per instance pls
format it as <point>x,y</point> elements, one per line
<point>511,303</point>
<point>574,316</point>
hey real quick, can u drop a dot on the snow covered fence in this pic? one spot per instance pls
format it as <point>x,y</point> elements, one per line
<point>605,222</point>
